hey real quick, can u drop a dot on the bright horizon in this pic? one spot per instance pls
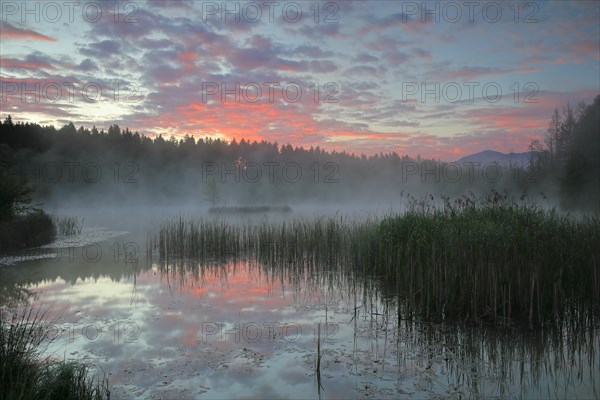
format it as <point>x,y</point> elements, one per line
<point>378,62</point>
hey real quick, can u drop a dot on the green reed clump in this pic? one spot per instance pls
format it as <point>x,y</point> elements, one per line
<point>493,260</point>
<point>24,374</point>
<point>68,226</point>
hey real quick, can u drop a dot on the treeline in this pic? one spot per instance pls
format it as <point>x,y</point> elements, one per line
<point>570,154</point>
<point>122,166</point>
<point>126,166</point>
<point>73,162</point>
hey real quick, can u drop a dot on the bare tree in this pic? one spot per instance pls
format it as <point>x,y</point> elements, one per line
<point>565,136</point>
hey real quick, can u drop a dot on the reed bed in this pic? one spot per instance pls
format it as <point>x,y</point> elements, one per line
<point>293,241</point>
<point>489,259</point>
<point>24,374</point>
<point>499,263</point>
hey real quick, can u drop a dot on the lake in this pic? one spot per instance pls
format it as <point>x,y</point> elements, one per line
<point>239,328</point>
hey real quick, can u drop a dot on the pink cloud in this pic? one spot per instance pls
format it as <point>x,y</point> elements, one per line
<point>188,59</point>
<point>25,64</point>
<point>11,32</point>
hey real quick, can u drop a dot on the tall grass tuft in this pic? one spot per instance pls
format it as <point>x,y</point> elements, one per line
<point>24,374</point>
<point>68,226</point>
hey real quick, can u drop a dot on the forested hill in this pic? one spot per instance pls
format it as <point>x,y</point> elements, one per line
<point>127,164</point>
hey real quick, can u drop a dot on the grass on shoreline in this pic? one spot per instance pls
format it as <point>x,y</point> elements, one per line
<point>24,374</point>
<point>35,228</point>
<point>490,259</point>
<point>32,229</point>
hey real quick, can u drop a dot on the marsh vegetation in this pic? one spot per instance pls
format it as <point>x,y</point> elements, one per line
<point>26,374</point>
<point>490,259</point>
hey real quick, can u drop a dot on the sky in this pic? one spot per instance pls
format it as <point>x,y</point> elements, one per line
<point>436,79</point>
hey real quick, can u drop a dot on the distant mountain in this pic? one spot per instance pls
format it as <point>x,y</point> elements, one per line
<point>490,156</point>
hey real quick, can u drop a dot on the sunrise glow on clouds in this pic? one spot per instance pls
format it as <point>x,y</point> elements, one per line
<point>369,60</point>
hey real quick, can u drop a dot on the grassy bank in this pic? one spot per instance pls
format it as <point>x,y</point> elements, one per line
<point>32,229</point>
<point>24,374</point>
<point>35,229</point>
<point>478,260</point>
